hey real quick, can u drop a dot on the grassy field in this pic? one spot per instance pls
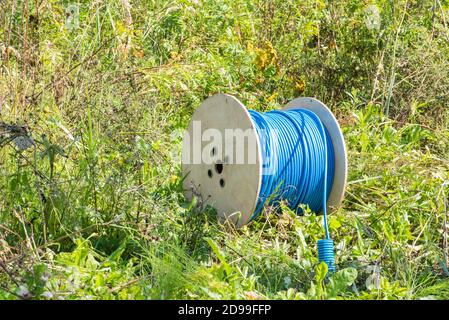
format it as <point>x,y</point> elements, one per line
<point>95,95</point>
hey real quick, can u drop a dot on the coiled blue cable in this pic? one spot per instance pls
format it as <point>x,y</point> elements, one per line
<point>297,166</point>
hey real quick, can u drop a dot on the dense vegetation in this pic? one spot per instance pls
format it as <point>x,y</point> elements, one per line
<point>94,97</point>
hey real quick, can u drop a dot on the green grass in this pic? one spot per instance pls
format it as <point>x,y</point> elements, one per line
<point>95,210</point>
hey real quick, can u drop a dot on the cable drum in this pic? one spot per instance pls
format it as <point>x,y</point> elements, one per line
<point>297,155</point>
<point>300,159</point>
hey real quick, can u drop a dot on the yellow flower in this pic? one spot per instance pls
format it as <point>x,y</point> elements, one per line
<point>250,46</point>
<point>272,97</point>
<point>174,55</point>
<point>173,179</point>
<point>300,85</point>
<point>266,55</point>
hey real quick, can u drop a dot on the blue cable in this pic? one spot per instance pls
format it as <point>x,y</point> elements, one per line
<point>297,166</point>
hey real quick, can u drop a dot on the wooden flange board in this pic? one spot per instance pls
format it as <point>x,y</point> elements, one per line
<point>341,157</point>
<point>234,191</point>
<point>217,178</point>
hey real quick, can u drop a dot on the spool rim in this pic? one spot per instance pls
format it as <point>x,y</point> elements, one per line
<point>341,157</point>
<point>230,110</point>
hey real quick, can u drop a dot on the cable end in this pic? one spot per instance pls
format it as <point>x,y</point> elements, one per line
<point>326,253</point>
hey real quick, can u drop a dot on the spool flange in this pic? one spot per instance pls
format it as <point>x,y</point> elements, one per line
<point>340,155</point>
<point>230,186</point>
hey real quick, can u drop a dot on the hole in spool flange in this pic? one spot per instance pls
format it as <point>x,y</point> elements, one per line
<point>219,167</point>
<point>213,151</point>
<point>209,173</point>
<point>222,183</point>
